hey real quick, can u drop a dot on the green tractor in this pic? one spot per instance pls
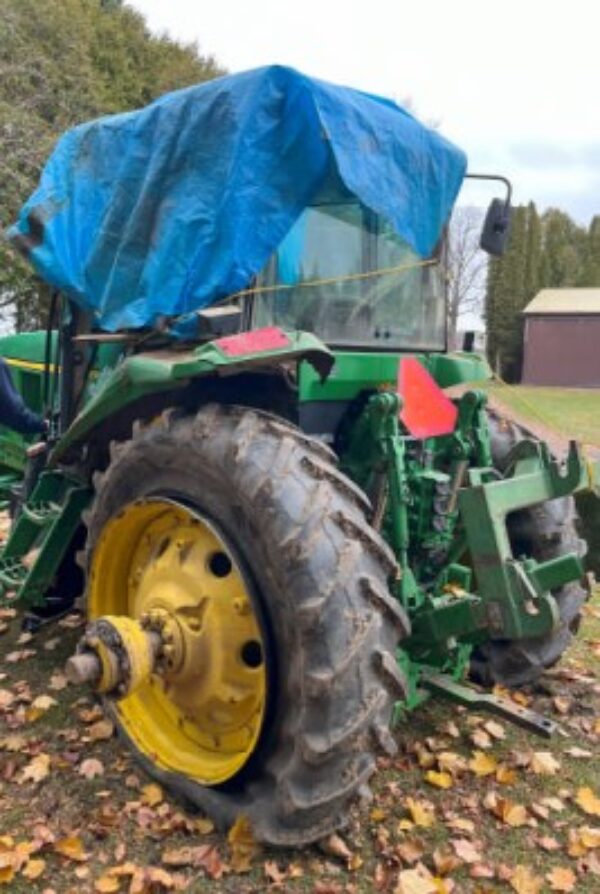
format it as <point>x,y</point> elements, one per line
<point>284,533</point>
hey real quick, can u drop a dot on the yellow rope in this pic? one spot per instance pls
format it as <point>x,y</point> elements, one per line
<point>350,277</point>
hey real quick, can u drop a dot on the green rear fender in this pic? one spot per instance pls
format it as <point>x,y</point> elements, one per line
<point>150,373</point>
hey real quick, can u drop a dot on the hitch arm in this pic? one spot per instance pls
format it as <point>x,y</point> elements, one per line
<point>440,684</point>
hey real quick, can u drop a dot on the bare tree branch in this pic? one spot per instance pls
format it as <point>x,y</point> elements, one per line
<point>467,266</point>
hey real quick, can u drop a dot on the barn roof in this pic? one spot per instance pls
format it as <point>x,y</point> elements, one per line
<point>565,301</point>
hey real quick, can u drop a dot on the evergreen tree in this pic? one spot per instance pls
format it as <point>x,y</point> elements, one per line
<point>63,62</point>
<point>563,245</point>
<point>533,253</point>
<point>590,267</point>
<point>506,298</point>
<point>550,251</point>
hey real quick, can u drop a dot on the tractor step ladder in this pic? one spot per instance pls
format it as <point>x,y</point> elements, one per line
<point>49,519</point>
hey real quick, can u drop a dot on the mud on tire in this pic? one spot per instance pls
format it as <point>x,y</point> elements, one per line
<point>321,575</point>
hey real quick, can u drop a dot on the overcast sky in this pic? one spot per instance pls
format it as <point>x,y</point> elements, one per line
<point>516,84</point>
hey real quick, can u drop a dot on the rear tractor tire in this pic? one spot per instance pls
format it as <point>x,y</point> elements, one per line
<point>543,532</point>
<point>240,527</point>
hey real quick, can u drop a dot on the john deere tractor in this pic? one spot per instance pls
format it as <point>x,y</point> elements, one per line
<point>284,532</point>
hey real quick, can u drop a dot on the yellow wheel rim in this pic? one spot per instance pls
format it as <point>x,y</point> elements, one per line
<point>202,714</point>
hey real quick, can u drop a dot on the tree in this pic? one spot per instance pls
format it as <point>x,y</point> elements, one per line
<point>563,243</point>
<point>550,251</point>
<point>466,264</point>
<point>506,297</point>
<point>63,62</point>
<point>590,267</point>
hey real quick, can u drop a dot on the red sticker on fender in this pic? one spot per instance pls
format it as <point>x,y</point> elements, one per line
<point>271,338</point>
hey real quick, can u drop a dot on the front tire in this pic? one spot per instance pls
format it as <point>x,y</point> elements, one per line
<point>318,576</point>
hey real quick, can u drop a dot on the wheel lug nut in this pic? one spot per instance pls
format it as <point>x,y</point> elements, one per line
<point>241,606</point>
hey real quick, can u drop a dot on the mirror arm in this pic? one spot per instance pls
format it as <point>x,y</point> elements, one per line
<point>498,177</point>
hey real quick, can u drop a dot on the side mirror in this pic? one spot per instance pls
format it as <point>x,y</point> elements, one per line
<point>496,228</point>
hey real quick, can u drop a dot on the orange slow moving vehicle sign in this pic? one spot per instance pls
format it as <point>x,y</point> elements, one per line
<point>426,411</point>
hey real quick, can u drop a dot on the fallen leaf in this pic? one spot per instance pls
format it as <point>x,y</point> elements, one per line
<point>185,856</point>
<point>6,699</point>
<point>102,729</point>
<point>553,803</point>
<point>39,706</point>
<point>51,644</point>
<point>33,869</point>
<point>483,764</point>
<point>107,884</point>
<point>588,801</point>
<point>146,879</point>
<point>562,704</point>
<point>514,815</point>
<point>37,769</point>
<point>579,753</point>
<point>244,847</point>
<point>562,879</point>
<point>72,848</point>
<point>451,729</point>
<point>439,780</point>
<point>421,814</point>
<point>72,621</point>
<point>460,824</point>
<point>523,881</point>
<point>481,739</point>
<point>506,775</point>
<point>19,655</point>
<point>410,850</point>
<point>58,680</point>
<point>482,870</point>
<point>275,876</point>
<point>444,861</point>
<point>152,794</point>
<point>203,826</point>
<point>415,881</point>
<point>90,768</point>
<point>378,815</point>
<point>548,843</point>
<point>466,850</point>
<point>425,758</point>
<point>495,729</point>
<point>13,743</point>
<point>450,762</point>
<point>590,837</point>
<point>89,715</point>
<point>543,763</point>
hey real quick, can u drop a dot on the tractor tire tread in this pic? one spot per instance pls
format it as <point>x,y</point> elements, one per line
<point>338,627</point>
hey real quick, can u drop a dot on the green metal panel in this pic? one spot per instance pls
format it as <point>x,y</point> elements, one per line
<point>355,372</point>
<point>149,373</point>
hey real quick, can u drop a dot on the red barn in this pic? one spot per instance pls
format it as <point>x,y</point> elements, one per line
<point>562,339</point>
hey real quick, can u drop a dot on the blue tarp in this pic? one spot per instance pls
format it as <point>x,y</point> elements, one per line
<point>168,209</point>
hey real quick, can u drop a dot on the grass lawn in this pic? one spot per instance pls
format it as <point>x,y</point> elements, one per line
<point>572,412</point>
